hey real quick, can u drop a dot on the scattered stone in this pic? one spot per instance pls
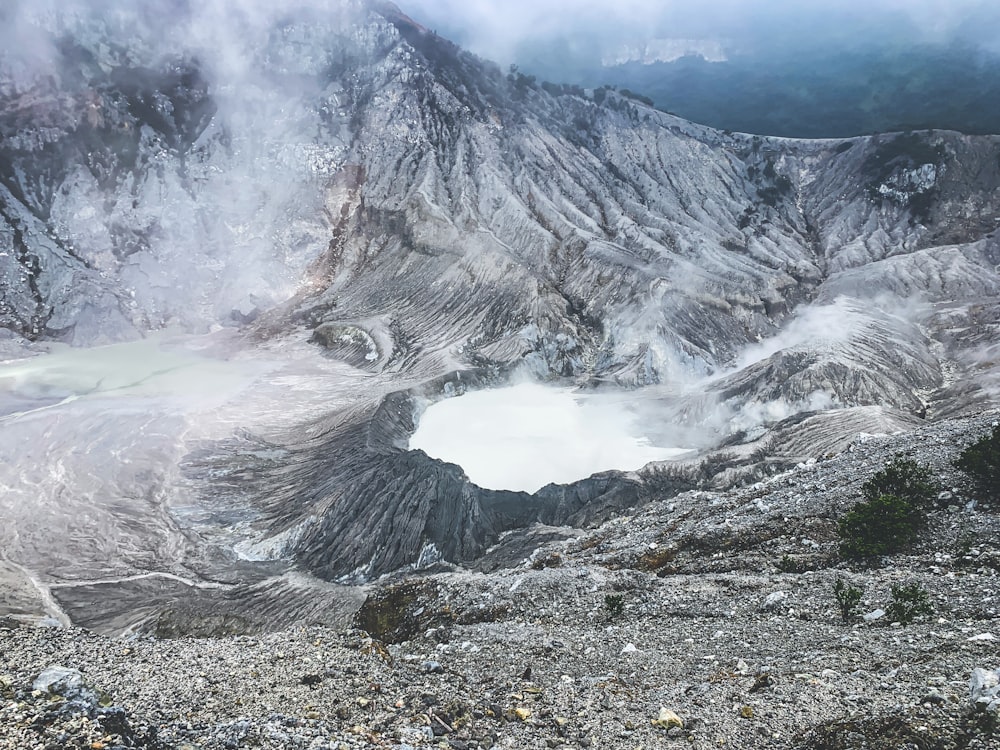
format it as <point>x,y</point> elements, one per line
<point>546,669</point>
<point>933,696</point>
<point>667,719</point>
<point>67,683</point>
<point>57,680</point>
<point>764,680</point>
<point>773,601</point>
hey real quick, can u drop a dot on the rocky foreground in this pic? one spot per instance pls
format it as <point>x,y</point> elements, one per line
<point>703,620</point>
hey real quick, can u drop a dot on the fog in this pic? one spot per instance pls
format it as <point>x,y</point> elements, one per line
<point>498,29</point>
<point>237,231</point>
<point>231,230</point>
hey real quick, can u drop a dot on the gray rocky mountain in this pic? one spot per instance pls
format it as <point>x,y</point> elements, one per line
<point>343,188</point>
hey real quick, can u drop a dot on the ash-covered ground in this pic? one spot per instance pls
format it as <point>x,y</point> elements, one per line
<point>716,608</point>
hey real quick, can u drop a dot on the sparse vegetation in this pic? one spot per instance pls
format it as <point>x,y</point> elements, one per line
<point>397,613</point>
<point>521,81</point>
<point>788,565</point>
<point>878,527</point>
<point>906,149</point>
<point>969,729</point>
<point>658,560</point>
<point>892,158</point>
<point>551,560</point>
<point>614,606</point>
<point>981,462</point>
<point>964,544</point>
<point>848,597</point>
<point>637,97</point>
<point>904,479</point>
<point>892,513</point>
<point>909,601</point>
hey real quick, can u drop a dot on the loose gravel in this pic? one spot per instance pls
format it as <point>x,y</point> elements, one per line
<point>706,620</point>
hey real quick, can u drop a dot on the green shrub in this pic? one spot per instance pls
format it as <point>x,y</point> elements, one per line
<point>847,598</point>
<point>981,461</point>
<point>878,527</point>
<point>909,601</point>
<point>904,479</point>
<point>614,605</point>
<point>891,514</point>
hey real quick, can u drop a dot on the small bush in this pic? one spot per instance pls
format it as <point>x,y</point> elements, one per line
<point>848,597</point>
<point>904,479</point>
<point>909,601</point>
<point>614,605</point>
<point>981,461</point>
<point>787,565</point>
<point>878,527</point>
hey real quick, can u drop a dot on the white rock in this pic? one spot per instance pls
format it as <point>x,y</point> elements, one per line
<point>773,600</point>
<point>874,615</point>
<point>984,683</point>
<point>629,648</point>
<point>58,680</point>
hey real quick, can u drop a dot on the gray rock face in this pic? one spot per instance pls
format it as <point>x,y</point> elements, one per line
<point>347,177</point>
<point>984,689</point>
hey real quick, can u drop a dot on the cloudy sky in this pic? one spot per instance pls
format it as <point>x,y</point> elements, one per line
<point>495,28</point>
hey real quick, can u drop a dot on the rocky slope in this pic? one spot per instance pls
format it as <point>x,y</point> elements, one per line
<point>703,620</point>
<point>345,188</point>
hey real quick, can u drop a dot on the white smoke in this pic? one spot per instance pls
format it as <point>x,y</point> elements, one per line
<point>234,225</point>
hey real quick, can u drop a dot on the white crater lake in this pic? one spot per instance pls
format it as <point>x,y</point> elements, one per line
<point>526,436</point>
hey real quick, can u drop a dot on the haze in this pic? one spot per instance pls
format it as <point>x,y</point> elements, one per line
<point>499,30</point>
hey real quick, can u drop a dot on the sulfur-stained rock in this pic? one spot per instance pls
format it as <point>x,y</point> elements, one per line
<point>666,719</point>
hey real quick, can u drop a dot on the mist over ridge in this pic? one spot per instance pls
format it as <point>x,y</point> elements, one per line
<point>812,70</point>
<point>497,30</point>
